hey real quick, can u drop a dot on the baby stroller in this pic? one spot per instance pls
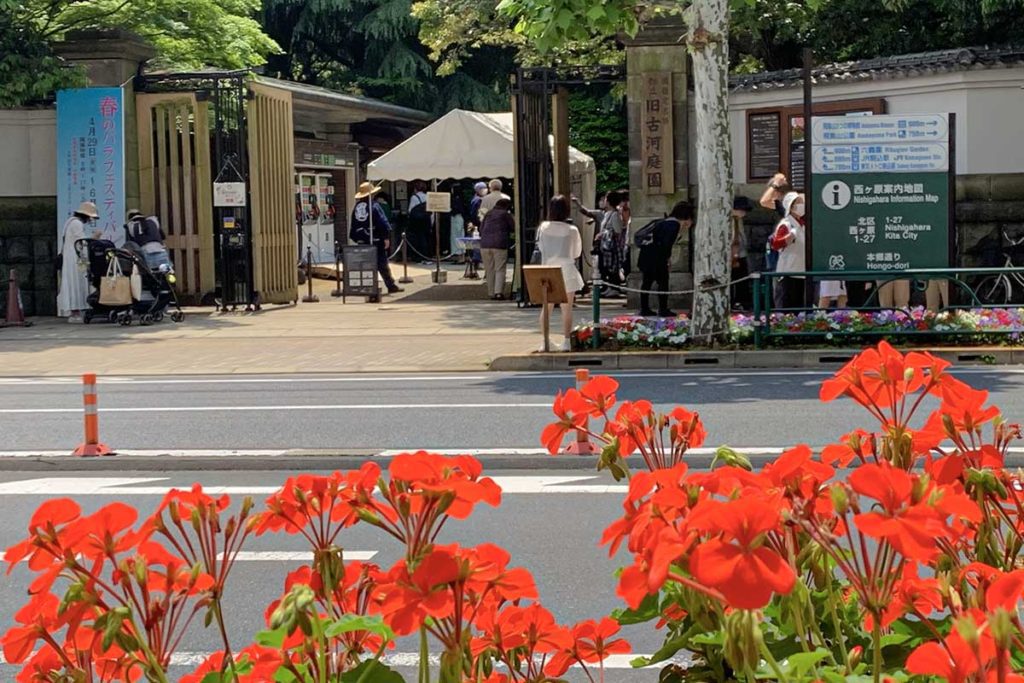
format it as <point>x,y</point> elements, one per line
<point>157,290</point>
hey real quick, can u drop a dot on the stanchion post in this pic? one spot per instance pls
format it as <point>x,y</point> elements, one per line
<point>582,445</point>
<point>405,279</point>
<point>91,446</point>
<point>757,310</point>
<point>310,298</point>
<point>595,297</point>
<point>337,270</point>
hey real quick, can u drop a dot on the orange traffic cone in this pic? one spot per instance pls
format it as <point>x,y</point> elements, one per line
<point>91,446</point>
<point>582,445</point>
<point>15,312</point>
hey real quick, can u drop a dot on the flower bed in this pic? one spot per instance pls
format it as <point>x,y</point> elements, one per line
<point>910,567</point>
<point>978,326</point>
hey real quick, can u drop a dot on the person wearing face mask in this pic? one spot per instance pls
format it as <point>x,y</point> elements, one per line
<point>788,240</point>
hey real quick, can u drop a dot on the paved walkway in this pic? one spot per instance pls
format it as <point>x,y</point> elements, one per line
<point>402,334</point>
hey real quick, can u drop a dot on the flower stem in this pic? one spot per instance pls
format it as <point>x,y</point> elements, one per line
<point>876,643</point>
<point>424,675</point>
<point>772,663</point>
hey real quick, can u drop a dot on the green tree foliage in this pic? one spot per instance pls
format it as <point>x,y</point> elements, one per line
<point>599,129</point>
<point>186,34</point>
<point>29,71</point>
<point>372,47</point>
<point>769,34</point>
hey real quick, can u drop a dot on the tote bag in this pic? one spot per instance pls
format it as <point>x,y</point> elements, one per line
<point>115,287</point>
<point>136,283</point>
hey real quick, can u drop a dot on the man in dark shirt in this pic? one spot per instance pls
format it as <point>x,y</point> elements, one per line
<point>370,224</point>
<point>655,258</point>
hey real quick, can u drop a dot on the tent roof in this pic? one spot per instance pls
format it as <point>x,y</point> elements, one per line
<point>460,144</point>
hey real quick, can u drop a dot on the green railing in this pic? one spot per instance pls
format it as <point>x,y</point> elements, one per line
<point>968,287</point>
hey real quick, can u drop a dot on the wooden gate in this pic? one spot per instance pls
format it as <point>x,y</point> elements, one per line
<point>175,184</point>
<point>272,193</point>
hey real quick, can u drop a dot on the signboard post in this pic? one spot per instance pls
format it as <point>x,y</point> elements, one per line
<point>881,192</point>
<point>90,157</point>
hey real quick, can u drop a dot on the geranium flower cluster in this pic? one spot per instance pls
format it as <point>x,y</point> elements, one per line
<point>794,572</point>
<point>996,326</point>
<point>112,600</point>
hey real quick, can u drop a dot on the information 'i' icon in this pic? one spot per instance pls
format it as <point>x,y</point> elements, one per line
<point>836,195</point>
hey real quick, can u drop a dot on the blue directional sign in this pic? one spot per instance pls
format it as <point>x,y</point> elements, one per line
<point>884,158</point>
<point>837,130</point>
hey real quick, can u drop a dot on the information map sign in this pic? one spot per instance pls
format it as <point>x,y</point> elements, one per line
<point>880,187</point>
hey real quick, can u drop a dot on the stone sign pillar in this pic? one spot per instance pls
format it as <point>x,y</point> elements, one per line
<point>656,69</point>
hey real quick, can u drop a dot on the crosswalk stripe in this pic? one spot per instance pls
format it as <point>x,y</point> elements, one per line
<point>412,659</point>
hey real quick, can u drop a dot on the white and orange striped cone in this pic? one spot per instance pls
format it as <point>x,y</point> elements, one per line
<point>91,447</point>
<point>582,445</point>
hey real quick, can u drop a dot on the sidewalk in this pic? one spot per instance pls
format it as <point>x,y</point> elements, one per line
<point>404,333</point>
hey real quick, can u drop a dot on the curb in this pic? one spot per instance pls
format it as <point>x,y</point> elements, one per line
<point>785,358</point>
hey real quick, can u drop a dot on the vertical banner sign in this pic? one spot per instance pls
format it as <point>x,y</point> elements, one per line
<point>881,192</point>
<point>90,157</point>
<point>656,134</point>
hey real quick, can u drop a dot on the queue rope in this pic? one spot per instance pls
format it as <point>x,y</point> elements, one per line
<point>696,290</point>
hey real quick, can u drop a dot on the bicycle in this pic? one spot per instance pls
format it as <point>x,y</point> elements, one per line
<point>1002,284</point>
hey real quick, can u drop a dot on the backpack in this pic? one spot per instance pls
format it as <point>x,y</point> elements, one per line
<point>644,237</point>
<point>418,212</point>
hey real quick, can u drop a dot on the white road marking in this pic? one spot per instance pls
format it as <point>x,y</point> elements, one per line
<point>130,486</point>
<point>299,556</point>
<point>289,556</point>
<point>752,450</point>
<point>412,659</point>
<point>271,408</point>
<point>54,381</point>
<point>527,376</point>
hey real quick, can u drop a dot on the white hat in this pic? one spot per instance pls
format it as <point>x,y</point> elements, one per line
<point>788,200</point>
<point>88,209</point>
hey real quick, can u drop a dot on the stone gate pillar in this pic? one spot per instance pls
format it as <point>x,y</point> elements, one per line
<point>656,69</point>
<point>112,58</point>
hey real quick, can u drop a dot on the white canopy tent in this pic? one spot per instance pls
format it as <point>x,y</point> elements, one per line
<point>468,144</point>
<point>463,144</point>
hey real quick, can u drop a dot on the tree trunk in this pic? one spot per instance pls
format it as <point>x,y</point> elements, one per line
<point>708,30</point>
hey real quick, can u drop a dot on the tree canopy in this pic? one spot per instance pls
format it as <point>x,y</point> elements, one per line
<point>185,33</point>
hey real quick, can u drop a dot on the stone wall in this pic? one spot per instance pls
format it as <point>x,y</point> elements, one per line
<point>28,245</point>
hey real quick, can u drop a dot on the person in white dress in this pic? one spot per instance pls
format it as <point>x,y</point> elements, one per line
<point>74,286</point>
<point>560,244</point>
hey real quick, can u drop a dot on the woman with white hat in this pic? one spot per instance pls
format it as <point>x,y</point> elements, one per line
<point>74,287</point>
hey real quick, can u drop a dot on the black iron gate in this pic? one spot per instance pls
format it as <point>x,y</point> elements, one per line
<point>532,89</point>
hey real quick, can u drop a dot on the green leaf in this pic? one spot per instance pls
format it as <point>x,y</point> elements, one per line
<point>371,671</point>
<point>596,12</point>
<point>349,623</point>
<point>271,638</point>
<point>803,663</point>
<point>671,647</point>
<point>647,611</point>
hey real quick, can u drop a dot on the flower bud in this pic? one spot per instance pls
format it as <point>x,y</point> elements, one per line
<point>968,630</point>
<point>947,423</point>
<point>908,374</point>
<point>919,489</point>
<point>140,571</point>
<point>1002,628</point>
<point>742,640</point>
<point>732,458</point>
<point>856,655</point>
<point>247,505</point>
<point>840,501</point>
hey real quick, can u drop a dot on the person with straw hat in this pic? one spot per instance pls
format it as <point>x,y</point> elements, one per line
<point>369,225</point>
<point>72,297</point>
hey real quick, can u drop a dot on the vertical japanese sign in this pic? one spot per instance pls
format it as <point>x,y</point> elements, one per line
<point>881,192</point>
<point>656,134</point>
<point>90,157</point>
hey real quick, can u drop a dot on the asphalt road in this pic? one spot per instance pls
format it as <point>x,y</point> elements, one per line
<point>376,413</point>
<point>553,534</point>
